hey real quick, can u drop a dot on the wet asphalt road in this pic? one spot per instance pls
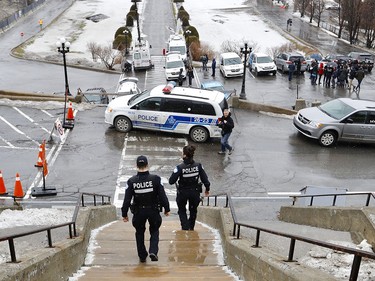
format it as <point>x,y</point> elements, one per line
<point>269,155</point>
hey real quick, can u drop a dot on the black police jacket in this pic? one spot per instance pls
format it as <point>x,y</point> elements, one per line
<point>188,174</point>
<point>147,191</point>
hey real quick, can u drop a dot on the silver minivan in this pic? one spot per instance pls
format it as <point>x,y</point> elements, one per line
<point>338,119</point>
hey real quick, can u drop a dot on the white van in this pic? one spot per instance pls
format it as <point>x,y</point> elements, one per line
<point>141,55</point>
<point>230,65</point>
<point>173,66</point>
<point>177,43</point>
<point>167,108</point>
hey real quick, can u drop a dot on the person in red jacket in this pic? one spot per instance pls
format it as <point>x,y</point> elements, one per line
<point>320,71</point>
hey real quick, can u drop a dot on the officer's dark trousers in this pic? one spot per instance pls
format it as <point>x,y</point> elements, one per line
<point>183,197</point>
<point>151,215</point>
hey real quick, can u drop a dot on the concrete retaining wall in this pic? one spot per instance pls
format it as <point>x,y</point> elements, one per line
<point>254,263</point>
<point>244,104</point>
<point>355,220</point>
<point>65,258</point>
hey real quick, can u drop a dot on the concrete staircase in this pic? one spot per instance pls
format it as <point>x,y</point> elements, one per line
<point>183,255</point>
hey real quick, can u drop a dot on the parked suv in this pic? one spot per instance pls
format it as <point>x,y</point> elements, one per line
<point>261,63</point>
<point>230,65</point>
<point>173,65</point>
<point>338,119</point>
<point>283,60</point>
<point>366,60</point>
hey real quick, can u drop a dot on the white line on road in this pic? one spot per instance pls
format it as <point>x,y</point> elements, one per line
<point>18,131</point>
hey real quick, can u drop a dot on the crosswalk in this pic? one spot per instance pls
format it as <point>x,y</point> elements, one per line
<point>163,154</point>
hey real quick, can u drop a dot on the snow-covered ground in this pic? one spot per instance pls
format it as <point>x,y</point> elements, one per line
<point>215,25</point>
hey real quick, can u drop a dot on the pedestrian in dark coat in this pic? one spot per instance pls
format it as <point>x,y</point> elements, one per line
<point>189,174</point>
<point>359,76</point>
<point>147,192</point>
<point>213,67</point>
<point>190,75</point>
<point>314,73</point>
<point>226,124</point>
<point>291,69</point>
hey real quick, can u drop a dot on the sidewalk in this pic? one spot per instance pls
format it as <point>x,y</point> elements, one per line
<point>183,255</point>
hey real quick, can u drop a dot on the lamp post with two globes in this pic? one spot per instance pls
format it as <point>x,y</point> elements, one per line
<point>245,51</point>
<point>63,47</point>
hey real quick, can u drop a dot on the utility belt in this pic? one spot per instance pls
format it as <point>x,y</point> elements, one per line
<point>135,208</point>
<point>198,188</point>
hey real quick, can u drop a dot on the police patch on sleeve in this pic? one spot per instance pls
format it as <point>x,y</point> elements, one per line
<point>175,170</point>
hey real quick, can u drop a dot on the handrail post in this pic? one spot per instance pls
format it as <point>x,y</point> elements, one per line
<point>208,201</point>
<point>257,239</point>
<point>12,250</point>
<point>234,229</point>
<point>238,232</point>
<point>355,268</point>
<point>311,200</point>
<point>94,199</point>
<point>75,229</point>
<point>291,249</point>
<point>82,200</point>
<point>334,200</point>
<point>368,200</point>
<point>226,201</point>
<point>49,238</point>
<point>215,201</point>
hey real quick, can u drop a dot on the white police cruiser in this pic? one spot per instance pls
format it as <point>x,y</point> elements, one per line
<point>169,109</point>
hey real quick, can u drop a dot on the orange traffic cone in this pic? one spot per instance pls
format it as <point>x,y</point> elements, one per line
<point>18,192</point>
<point>3,190</point>
<point>39,162</point>
<point>70,115</point>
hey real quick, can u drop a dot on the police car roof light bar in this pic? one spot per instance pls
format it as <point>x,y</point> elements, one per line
<point>169,87</point>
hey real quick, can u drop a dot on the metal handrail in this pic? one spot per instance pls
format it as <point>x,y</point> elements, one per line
<point>335,195</point>
<point>358,254</point>
<point>71,224</point>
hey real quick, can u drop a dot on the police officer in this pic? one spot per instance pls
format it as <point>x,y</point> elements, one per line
<point>188,174</point>
<point>147,193</point>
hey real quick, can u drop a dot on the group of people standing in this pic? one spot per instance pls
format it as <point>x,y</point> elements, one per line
<point>145,195</point>
<point>340,75</point>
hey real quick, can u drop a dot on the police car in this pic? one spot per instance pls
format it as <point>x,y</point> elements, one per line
<point>181,110</point>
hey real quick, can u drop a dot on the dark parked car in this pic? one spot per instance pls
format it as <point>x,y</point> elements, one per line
<point>366,60</point>
<point>339,59</point>
<point>96,96</point>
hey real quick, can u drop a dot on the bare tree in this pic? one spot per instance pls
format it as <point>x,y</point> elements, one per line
<point>368,21</point>
<point>320,7</point>
<point>93,47</point>
<point>351,14</point>
<point>108,56</point>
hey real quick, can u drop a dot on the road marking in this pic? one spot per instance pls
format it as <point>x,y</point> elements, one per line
<point>116,201</point>
<point>32,121</point>
<point>18,131</point>
<point>7,142</point>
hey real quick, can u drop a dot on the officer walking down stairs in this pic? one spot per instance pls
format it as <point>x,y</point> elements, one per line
<point>189,188</point>
<point>147,193</point>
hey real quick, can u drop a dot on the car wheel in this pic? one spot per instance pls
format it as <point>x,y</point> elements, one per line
<point>274,73</point>
<point>369,69</point>
<point>199,134</point>
<point>123,124</point>
<point>256,72</point>
<point>328,138</point>
<point>282,69</point>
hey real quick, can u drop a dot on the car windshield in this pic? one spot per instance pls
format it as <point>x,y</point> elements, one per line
<point>138,97</point>
<point>336,109</point>
<point>232,61</point>
<point>264,59</point>
<point>175,64</point>
<point>180,49</point>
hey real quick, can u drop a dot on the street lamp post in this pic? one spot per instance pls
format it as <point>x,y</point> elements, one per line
<point>126,32</point>
<point>245,51</point>
<point>63,47</point>
<point>188,32</point>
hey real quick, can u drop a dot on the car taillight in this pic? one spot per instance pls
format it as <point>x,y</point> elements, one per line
<point>288,62</point>
<point>304,62</point>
